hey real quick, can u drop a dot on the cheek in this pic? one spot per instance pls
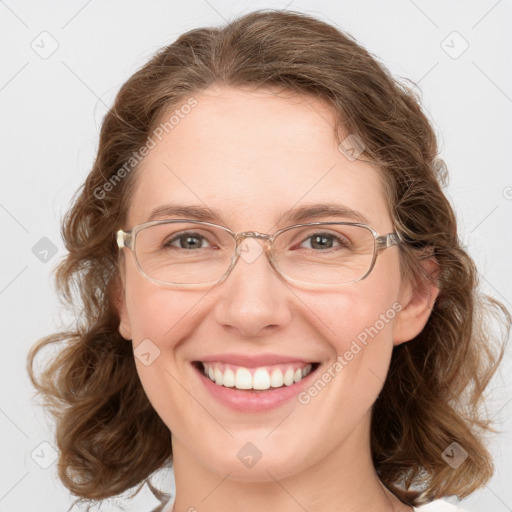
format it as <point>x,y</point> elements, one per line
<point>358,322</point>
<point>160,319</point>
<point>156,312</point>
<point>362,312</point>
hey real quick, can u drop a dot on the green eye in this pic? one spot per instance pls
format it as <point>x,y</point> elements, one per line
<point>324,241</point>
<point>187,241</point>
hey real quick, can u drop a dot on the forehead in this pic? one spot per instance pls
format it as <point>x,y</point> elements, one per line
<point>252,155</point>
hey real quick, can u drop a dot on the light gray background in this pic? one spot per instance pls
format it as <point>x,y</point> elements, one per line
<point>51,109</point>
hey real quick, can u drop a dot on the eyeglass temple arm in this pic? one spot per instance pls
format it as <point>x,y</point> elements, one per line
<point>389,240</point>
<point>124,239</point>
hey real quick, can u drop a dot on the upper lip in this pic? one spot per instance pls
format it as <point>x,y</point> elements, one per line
<point>253,361</point>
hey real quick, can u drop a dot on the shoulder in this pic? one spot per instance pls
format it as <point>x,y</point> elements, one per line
<point>438,506</point>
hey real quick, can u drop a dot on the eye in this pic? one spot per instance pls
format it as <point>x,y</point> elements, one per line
<point>324,241</point>
<point>187,240</point>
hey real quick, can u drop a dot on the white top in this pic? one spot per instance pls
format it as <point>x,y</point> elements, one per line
<point>437,506</point>
<point>434,506</point>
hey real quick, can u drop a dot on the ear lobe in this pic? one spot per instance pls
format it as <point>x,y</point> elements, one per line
<point>417,297</point>
<point>125,328</point>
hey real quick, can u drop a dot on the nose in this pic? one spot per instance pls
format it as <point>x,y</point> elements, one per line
<point>253,299</point>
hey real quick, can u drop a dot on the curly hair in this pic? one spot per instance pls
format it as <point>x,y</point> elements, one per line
<point>109,436</point>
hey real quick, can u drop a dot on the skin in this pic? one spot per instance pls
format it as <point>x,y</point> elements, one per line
<point>253,155</point>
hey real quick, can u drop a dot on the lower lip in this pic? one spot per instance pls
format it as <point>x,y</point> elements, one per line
<point>253,401</point>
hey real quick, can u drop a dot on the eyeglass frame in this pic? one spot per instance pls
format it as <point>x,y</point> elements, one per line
<point>126,239</point>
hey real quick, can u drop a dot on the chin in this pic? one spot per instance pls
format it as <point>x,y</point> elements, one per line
<point>252,464</point>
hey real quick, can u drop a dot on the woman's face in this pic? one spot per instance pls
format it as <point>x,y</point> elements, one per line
<point>253,156</point>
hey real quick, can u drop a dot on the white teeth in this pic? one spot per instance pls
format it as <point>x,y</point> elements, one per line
<point>276,379</point>
<point>243,379</point>
<point>229,378</point>
<point>260,379</point>
<point>306,370</point>
<point>288,377</point>
<point>218,376</point>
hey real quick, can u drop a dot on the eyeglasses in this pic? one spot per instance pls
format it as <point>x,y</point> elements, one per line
<point>191,254</point>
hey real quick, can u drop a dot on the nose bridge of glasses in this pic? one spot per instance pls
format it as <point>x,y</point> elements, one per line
<point>250,252</point>
<point>244,235</point>
<point>251,234</point>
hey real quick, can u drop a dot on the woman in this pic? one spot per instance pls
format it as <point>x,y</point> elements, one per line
<point>275,299</point>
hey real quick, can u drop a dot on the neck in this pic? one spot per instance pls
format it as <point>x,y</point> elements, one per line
<point>344,480</point>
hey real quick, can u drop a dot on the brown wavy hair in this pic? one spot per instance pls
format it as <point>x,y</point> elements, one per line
<point>109,437</point>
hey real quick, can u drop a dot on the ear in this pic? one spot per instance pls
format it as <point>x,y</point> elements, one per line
<point>417,296</point>
<point>125,327</point>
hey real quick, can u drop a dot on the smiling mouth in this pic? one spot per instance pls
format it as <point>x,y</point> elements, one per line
<point>255,379</point>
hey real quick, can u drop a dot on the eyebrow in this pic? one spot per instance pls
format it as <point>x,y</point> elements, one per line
<point>317,211</point>
<point>296,215</point>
